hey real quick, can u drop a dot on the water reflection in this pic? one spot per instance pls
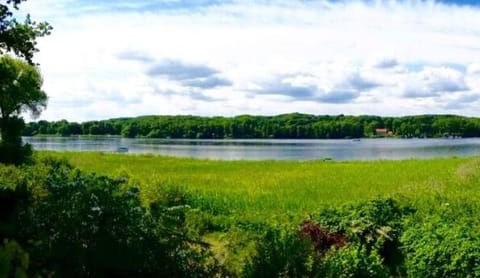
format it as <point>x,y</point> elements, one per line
<point>252,149</point>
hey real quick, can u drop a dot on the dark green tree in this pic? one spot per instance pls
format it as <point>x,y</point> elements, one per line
<point>20,91</point>
<point>20,82</point>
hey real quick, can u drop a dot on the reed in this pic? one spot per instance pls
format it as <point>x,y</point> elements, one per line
<point>281,189</point>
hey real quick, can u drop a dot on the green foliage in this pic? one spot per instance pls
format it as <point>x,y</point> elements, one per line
<point>383,239</point>
<point>21,82</point>
<point>16,37</point>
<point>14,261</point>
<point>443,245</point>
<point>375,226</point>
<point>286,190</point>
<point>234,248</point>
<point>352,261</point>
<point>21,88</point>
<point>20,92</point>
<point>324,251</point>
<point>236,206</point>
<point>12,151</point>
<point>10,179</point>
<point>368,223</point>
<point>281,252</point>
<point>74,224</point>
<point>295,125</point>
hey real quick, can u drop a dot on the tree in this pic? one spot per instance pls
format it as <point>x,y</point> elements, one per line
<point>20,91</point>
<point>20,82</point>
<point>19,38</point>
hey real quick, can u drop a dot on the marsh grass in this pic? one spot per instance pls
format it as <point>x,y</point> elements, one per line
<point>286,189</point>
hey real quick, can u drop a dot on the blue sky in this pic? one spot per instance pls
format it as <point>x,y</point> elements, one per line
<point>121,58</point>
<point>182,4</point>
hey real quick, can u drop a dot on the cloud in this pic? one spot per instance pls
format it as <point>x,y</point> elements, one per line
<point>135,56</point>
<point>460,102</point>
<point>239,49</point>
<point>178,70</point>
<point>386,63</point>
<point>195,95</point>
<point>285,86</point>
<point>432,82</point>
<point>207,82</point>
<point>354,81</point>
<point>173,91</point>
<point>188,74</point>
<point>309,87</point>
<point>474,69</point>
<point>309,93</point>
<point>338,96</point>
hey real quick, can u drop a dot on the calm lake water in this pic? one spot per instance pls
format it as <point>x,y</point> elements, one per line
<point>253,149</point>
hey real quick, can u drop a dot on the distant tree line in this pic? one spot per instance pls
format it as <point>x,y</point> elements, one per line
<point>295,126</point>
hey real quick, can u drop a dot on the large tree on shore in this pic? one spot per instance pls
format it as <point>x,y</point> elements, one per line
<point>20,80</point>
<point>20,88</point>
<point>20,91</point>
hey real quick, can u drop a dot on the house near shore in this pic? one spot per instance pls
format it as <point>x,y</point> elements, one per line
<point>383,132</point>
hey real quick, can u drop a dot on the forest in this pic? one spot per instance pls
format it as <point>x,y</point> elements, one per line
<point>292,126</point>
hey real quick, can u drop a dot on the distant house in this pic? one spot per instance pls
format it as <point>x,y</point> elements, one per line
<point>382,132</point>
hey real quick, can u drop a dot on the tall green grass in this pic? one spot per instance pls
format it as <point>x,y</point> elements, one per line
<point>272,189</point>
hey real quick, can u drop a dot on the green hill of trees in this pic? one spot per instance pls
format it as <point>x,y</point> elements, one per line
<point>294,126</point>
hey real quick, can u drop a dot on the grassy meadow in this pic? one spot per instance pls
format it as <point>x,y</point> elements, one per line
<point>182,216</point>
<point>278,189</point>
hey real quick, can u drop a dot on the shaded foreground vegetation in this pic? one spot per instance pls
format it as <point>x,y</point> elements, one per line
<point>157,216</point>
<point>295,126</point>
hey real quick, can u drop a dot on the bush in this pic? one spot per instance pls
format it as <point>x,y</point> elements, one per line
<point>15,153</point>
<point>12,203</point>
<point>76,224</point>
<point>12,151</point>
<point>352,261</point>
<point>60,222</point>
<point>322,239</point>
<point>14,260</point>
<point>361,240</point>
<point>439,246</point>
<point>374,225</point>
<point>281,252</point>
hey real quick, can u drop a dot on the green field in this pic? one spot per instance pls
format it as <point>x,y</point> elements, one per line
<point>181,216</point>
<point>287,188</point>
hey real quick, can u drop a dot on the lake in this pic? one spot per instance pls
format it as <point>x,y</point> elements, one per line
<point>262,149</point>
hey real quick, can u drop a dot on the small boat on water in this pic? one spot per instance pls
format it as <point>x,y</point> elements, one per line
<point>122,150</point>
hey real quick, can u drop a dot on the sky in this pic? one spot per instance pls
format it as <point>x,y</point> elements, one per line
<point>118,58</point>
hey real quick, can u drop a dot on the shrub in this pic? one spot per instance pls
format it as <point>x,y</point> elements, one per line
<point>16,154</point>
<point>322,239</point>
<point>14,260</point>
<point>374,225</point>
<point>352,261</point>
<point>12,151</point>
<point>281,252</point>
<point>439,246</point>
<point>78,224</point>
<point>12,203</point>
